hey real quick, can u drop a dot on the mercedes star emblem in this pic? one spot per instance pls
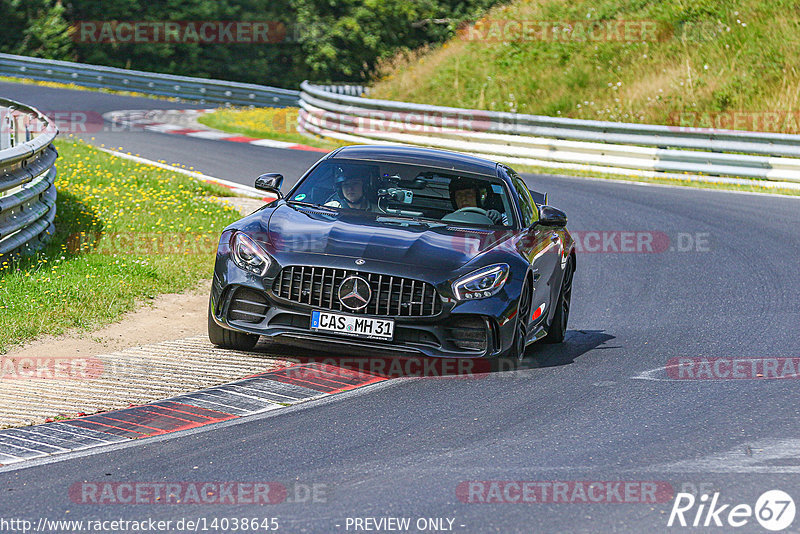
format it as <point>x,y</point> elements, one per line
<point>354,293</point>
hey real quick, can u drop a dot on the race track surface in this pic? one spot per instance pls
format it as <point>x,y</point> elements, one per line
<point>721,282</point>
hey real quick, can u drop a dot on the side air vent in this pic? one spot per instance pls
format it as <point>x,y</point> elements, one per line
<point>248,306</point>
<point>468,333</point>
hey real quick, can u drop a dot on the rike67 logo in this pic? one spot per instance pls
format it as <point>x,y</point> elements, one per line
<point>774,510</point>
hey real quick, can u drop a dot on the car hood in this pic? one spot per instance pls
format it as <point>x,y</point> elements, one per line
<point>295,229</point>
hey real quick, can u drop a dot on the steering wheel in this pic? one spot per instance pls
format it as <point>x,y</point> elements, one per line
<point>470,214</point>
<point>472,209</point>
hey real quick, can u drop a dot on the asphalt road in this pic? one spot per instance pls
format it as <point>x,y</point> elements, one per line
<point>80,113</point>
<point>596,408</point>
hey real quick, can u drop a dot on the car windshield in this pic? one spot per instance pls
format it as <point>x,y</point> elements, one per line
<point>409,191</point>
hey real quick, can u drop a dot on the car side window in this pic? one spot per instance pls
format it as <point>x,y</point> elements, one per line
<point>530,212</point>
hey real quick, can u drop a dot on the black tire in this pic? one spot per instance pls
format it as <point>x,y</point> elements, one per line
<point>517,350</point>
<point>558,328</point>
<point>229,339</point>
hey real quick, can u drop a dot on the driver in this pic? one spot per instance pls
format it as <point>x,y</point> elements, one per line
<point>351,190</point>
<point>466,193</point>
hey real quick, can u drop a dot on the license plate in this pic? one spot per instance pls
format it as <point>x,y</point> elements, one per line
<point>350,325</point>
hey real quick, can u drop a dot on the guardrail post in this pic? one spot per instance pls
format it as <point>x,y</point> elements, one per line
<point>6,125</point>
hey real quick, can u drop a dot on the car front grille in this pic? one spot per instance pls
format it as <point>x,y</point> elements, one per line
<point>391,295</point>
<point>248,306</point>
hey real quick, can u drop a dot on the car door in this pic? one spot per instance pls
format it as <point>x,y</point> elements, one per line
<point>541,245</point>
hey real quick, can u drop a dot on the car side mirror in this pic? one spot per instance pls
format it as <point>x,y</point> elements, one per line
<point>270,182</point>
<point>550,216</point>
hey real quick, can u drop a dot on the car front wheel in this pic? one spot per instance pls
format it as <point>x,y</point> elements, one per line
<point>517,350</point>
<point>558,328</point>
<point>229,339</point>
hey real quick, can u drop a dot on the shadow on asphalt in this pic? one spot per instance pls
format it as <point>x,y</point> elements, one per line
<point>576,344</point>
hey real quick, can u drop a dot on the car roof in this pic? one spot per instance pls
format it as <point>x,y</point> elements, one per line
<point>418,156</point>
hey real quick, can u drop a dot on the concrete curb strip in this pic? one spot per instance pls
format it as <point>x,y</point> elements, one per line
<point>255,394</point>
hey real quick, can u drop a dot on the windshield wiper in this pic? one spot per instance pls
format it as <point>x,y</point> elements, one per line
<point>310,205</point>
<point>419,220</point>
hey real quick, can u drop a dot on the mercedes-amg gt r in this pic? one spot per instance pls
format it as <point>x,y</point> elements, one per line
<point>397,250</point>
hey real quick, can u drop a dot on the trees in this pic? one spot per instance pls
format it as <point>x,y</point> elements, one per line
<point>333,40</point>
<point>35,28</point>
<point>344,39</point>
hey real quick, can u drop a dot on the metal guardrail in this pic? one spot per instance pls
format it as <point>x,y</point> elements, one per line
<point>596,146</point>
<point>343,112</point>
<point>27,176</point>
<point>184,87</point>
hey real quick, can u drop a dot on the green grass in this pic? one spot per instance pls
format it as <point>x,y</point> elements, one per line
<point>124,231</point>
<point>711,60</point>
<point>279,124</point>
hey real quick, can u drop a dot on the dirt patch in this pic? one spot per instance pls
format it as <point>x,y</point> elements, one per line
<point>167,317</point>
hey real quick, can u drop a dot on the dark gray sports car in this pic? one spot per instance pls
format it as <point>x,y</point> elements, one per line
<point>396,250</point>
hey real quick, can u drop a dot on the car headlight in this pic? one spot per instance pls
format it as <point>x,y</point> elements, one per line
<point>249,255</point>
<point>481,283</point>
